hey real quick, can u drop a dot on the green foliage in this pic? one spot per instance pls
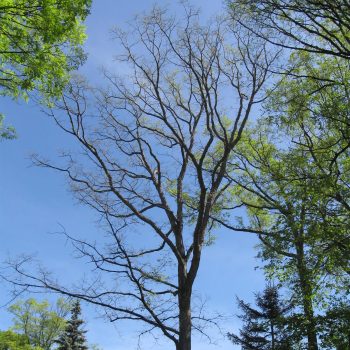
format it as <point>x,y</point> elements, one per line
<point>40,43</point>
<point>6,132</point>
<point>39,322</point>
<point>12,341</point>
<point>335,326</point>
<point>265,328</point>
<point>314,111</point>
<point>279,184</point>
<point>292,175</point>
<point>73,337</point>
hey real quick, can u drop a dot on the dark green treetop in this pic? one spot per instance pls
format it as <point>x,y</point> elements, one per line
<point>73,337</point>
<point>264,328</point>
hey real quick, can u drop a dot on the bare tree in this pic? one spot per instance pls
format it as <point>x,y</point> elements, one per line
<point>155,150</point>
<point>318,26</point>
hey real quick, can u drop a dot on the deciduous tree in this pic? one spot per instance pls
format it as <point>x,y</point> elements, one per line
<point>12,341</point>
<point>157,146</point>
<point>294,183</point>
<point>279,207</point>
<point>335,326</point>
<point>317,26</point>
<point>40,43</point>
<point>39,322</point>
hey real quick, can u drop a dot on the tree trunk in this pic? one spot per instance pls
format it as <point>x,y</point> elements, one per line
<point>185,319</point>
<point>272,336</point>
<point>185,323</point>
<point>311,325</point>
<point>306,290</point>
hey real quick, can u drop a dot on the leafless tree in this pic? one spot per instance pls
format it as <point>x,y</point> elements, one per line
<point>155,149</point>
<point>318,26</point>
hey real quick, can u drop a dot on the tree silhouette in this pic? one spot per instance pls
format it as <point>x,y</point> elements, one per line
<point>264,328</point>
<point>154,166</point>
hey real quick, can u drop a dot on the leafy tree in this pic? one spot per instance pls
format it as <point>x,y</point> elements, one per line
<point>40,43</point>
<point>293,221</point>
<point>335,325</point>
<point>314,114</point>
<point>39,322</point>
<point>264,328</point>
<point>10,340</point>
<point>292,175</point>
<point>73,338</point>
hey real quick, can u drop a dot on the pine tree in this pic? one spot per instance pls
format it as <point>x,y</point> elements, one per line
<point>73,337</point>
<point>264,328</point>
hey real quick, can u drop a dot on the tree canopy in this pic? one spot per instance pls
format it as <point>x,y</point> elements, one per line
<point>40,43</point>
<point>39,322</point>
<point>157,146</point>
<point>10,340</point>
<point>171,153</point>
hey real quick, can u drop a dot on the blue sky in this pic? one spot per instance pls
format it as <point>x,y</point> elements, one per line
<point>34,202</point>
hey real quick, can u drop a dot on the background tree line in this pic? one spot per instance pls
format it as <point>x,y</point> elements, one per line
<point>41,326</point>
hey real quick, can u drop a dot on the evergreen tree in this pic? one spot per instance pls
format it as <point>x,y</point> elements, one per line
<point>73,337</point>
<point>264,328</point>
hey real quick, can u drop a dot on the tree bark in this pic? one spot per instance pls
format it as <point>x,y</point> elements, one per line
<point>311,324</point>
<point>272,336</point>
<point>306,291</point>
<point>185,323</point>
<point>185,319</point>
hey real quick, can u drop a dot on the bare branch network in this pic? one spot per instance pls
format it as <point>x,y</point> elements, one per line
<point>154,162</point>
<point>316,26</point>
